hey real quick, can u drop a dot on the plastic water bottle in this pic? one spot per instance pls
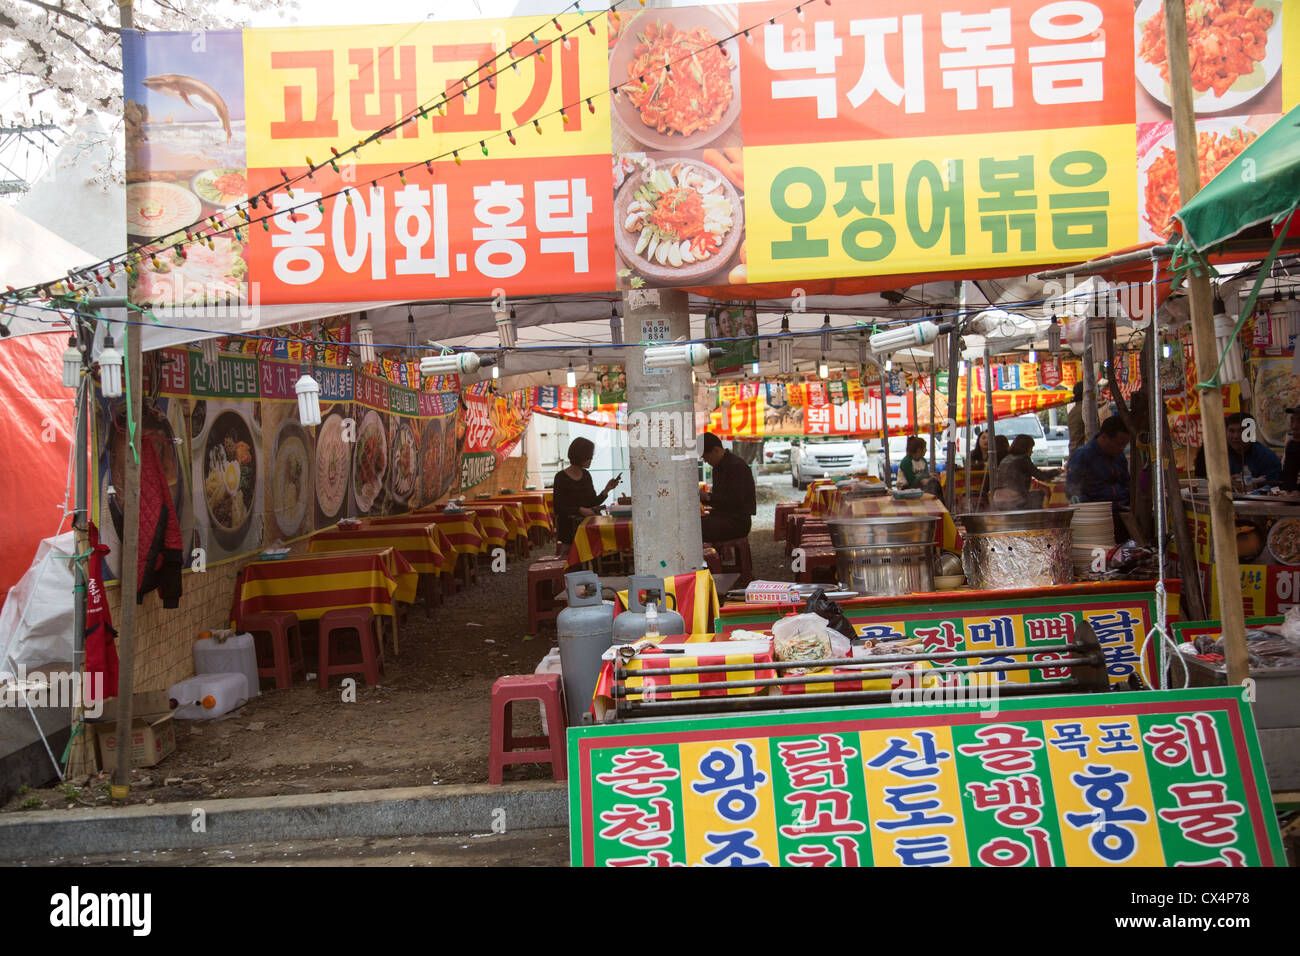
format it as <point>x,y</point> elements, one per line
<point>1245,476</point>
<point>651,622</point>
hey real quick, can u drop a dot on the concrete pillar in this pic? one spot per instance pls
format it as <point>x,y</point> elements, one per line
<point>662,446</point>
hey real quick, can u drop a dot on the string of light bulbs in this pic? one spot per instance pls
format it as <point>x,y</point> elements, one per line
<point>216,225</point>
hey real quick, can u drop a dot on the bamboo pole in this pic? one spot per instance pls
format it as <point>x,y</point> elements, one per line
<point>1222,518</point>
<point>128,572</point>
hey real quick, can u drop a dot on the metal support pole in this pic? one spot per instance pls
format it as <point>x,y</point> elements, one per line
<point>1222,518</point>
<point>884,426</point>
<point>988,418</point>
<point>934,441</point>
<point>950,486</point>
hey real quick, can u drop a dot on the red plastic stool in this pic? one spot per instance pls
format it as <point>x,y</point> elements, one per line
<point>545,581</point>
<point>783,510</point>
<point>338,622</point>
<point>735,559</point>
<point>505,747</point>
<point>283,658</point>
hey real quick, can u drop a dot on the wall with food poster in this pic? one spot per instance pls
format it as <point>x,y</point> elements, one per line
<point>492,427</point>
<point>243,473</point>
<point>750,142</point>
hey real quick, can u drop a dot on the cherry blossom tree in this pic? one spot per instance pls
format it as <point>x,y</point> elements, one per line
<point>66,55</point>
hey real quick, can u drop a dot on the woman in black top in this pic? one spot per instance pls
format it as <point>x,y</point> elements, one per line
<point>575,495</point>
<point>979,456</point>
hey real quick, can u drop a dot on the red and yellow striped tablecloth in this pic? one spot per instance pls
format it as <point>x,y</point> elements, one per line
<point>695,598</point>
<point>445,547</point>
<point>463,529</point>
<point>532,504</point>
<point>1055,498</point>
<point>822,497</point>
<point>597,535</point>
<point>418,543</point>
<point>312,584</point>
<point>496,525</point>
<point>603,701</point>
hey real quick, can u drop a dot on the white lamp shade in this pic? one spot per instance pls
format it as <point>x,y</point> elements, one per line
<point>110,372</point>
<point>71,365</point>
<point>1232,370</point>
<point>308,400</point>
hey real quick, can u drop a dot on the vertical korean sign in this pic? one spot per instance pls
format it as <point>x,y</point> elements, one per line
<point>1170,778</point>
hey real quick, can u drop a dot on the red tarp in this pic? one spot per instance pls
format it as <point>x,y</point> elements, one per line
<point>36,434</point>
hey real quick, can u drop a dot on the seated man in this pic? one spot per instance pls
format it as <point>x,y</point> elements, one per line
<point>732,497</point>
<point>1258,458</point>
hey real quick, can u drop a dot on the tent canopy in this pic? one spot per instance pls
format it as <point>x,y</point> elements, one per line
<point>1262,183</point>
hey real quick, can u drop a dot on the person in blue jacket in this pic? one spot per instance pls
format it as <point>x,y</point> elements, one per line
<point>1252,455</point>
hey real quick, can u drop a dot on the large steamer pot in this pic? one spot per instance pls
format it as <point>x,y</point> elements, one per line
<point>1017,549</point>
<point>885,556</point>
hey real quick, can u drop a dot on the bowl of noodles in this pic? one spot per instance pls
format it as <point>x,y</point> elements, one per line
<point>1284,541</point>
<point>229,478</point>
<point>691,90</point>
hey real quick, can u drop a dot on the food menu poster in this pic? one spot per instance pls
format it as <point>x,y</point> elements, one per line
<point>1170,778</point>
<point>913,136</point>
<point>243,473</point>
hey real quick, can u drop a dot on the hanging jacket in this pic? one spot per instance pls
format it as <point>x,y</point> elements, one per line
<point>159,562</point>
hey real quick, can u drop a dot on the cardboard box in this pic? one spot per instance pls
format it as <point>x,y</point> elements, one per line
<point>153,732</point>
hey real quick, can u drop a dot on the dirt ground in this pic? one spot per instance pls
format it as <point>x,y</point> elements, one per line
<point>426,723</point>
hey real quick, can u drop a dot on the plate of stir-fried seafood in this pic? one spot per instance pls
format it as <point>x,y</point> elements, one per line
<point>1235,48</point>
<point>679,87</point>
<point>677,220</point>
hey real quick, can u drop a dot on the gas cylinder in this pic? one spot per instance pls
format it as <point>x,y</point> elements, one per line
<point>644,590</point>
<point>586,630</point>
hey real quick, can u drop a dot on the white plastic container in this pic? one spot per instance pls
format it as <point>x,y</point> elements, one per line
<point>550,664</point>
<point>235,655</point>
<point>208,696</point>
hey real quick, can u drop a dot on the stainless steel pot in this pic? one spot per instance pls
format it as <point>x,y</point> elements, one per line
<point>1016,549</point>
<point>885,556</point>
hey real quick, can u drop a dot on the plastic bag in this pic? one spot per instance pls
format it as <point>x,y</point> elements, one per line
<point>825,608</point>
<point>1291,626</point>
<point>802,637</point>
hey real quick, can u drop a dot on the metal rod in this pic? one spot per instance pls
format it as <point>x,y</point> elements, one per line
<point>884,426</point>
<point>867,662</point>
<point>815,699</point>
<point>992,473</point>
<point>620,688</point>
<point>950,427</point>
<point>1110,262</point>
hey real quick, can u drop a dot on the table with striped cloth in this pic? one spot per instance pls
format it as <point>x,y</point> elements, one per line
<point>311,584</point>
<point>463,529</point>
<point>533,505</point>
<point>695,598</point>
<point>497,531</point>
<point>1055,497</point>
<point>597,535</point>
<point>602,700</point>
<point>417,543</point>
<point>445,547</point>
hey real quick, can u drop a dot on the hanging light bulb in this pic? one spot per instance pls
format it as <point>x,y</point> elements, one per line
<point>571,377</point>
<point>754,368</point>
<point>940,348</point>
<point>785,348</point>
<point>366,339</point>
<point>308,400</point>
<point>1054,336</point>
<point>496,370</point>
<point>1033,356</point>
<point>110,369</point>
<point>71,364</point>
<point>506,328</point>
<point>826,333</point>
<point>615,326</point>
<point>1165,350</point>
<point>889,365</point>
<point>210,354</point>
<point>410,329</point>
<point>1232,369</point>
<point>823,370</point>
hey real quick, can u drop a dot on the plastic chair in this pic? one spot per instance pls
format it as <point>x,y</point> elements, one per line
<point>508,749</point>
<point>735,559</point>
<point>283,657</point>
<point>337,623</point>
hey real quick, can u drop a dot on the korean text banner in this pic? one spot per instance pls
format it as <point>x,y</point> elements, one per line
<point>1171,778</point>
<point>745,143</point>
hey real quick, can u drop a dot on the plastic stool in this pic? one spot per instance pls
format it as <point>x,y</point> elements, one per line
<point>283,658</point>
<point>361,620</point>
<point>505,747</point>
<point>545,581</point>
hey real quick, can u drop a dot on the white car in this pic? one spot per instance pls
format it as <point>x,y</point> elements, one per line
<point>776,452</point>
<point>812,458</point>
<point>1048,452</point>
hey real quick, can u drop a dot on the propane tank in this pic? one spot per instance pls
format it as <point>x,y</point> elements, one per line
<point>631,624</point>
<point>586,630</point>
